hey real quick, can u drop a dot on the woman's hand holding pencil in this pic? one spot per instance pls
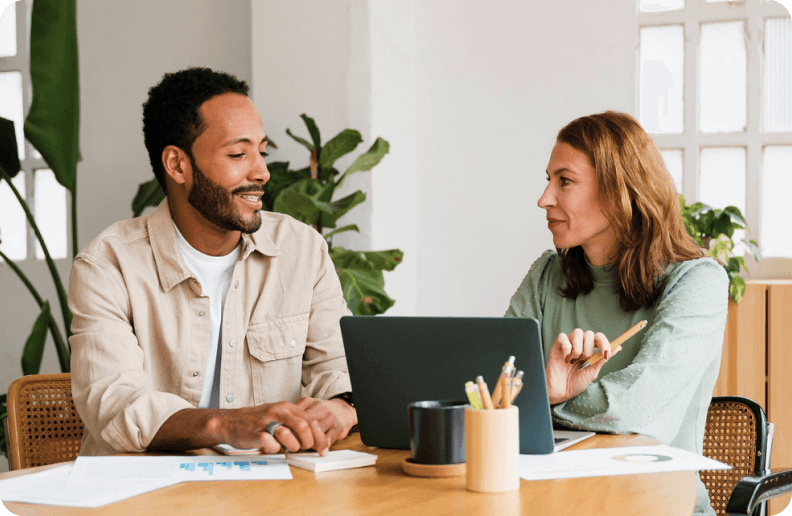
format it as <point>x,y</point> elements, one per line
<point>573,363</point>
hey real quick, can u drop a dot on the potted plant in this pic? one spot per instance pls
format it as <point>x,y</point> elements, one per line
<point>713,230</point>
<point>307,195</point>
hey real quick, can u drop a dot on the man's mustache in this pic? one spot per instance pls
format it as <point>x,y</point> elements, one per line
<point>248,189</point>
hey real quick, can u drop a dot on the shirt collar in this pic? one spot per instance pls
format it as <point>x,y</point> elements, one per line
<point>171,268</point>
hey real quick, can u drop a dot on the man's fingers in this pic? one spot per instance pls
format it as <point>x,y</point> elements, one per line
<point>321,443</point>
<point>269,444</point>
<point>283,435</point>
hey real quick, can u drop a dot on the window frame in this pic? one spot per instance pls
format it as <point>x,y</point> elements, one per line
<point>691,140</point>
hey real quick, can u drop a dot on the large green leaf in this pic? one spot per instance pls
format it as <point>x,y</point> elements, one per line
<point>369,159</point>
<point>312,130</point>
<point>385,260</point>
<point>9,154</point>
<point>338,208</point>
<point>300,201</point>
<point>361,282</point>
<point>350,227</point>
<point>341,144</point>
<point>53,122</point>
<point>34,346</point>
<point>149,193</point>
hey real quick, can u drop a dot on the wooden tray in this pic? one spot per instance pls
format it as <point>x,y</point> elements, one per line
<point>432,470</point>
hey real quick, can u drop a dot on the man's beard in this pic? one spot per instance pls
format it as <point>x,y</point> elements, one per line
<point>217,205</point>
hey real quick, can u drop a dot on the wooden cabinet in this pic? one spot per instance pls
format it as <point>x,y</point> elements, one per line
<point>757,361</point>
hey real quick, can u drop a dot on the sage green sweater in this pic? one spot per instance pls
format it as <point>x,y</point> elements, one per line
<point>660,384</point>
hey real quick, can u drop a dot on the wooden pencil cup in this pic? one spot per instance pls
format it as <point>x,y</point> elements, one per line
<point>492,442</point>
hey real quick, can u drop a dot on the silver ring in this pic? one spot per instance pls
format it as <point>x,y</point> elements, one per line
<point>271,427</point>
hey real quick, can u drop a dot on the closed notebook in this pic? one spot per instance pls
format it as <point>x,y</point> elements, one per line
<point>339,459</point>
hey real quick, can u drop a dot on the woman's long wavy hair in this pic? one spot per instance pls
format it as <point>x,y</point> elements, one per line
<point>640,201</point>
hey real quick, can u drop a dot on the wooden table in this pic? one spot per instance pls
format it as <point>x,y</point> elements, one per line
<point>385,489</point>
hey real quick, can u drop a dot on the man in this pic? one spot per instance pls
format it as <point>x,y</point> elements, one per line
<point>208,321</point>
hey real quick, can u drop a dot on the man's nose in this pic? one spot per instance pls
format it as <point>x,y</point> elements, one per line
<point>260,172</point>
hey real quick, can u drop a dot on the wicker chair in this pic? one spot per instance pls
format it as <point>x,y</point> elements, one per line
<point>43,426</point>
<point>738,434</point>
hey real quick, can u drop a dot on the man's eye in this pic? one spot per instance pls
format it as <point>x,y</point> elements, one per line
<point>264,154</point>
<point>240,155</point>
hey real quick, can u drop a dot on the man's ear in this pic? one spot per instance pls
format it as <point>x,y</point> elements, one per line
<point>176,164</point>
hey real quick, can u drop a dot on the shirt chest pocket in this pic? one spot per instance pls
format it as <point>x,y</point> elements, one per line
<point>276,349</point>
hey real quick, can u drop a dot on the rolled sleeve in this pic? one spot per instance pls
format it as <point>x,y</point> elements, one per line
<point>325,372</point>
<point>111,389</point>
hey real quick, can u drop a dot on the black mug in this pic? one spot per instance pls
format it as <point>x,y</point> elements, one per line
<point>437,431</point>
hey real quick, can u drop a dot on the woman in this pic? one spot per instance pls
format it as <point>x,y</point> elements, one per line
<point>623,255</point>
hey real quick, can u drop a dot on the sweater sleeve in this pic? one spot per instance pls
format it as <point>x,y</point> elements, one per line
<point>683,340</point>
<point>529,299</point>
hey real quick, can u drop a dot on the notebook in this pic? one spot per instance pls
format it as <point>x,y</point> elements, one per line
<point>397,360</point>
<point>334,460</point>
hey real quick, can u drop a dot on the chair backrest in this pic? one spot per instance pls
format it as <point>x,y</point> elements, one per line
<point>43,424</point>
<point>736,434</point>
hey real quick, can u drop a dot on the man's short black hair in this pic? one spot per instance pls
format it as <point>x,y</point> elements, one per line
<point>171,116</point>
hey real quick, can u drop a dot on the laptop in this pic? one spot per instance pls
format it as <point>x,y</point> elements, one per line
<point>394,361</point>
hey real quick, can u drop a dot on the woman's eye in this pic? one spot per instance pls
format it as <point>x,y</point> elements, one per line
<point>564,181</point>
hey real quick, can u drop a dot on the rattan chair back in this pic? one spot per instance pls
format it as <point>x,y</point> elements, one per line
<point>43,424</point>
<point>736,434</point>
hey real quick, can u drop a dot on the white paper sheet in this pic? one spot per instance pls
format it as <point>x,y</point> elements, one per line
<point>97,481</point>
<point>613,461</point>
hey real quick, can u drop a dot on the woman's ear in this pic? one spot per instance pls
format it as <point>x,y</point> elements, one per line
<point>176,164</point>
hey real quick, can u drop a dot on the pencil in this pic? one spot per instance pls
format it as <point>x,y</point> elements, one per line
<point>517,384</point>
<point>484,392</point>
<point>596,357</point>
<point>473,395</point>
<point>497,394</point>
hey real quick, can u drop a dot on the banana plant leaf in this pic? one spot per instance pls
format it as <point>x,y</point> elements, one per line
<point>9,155</point>
<point>149,193</point>
<point>53,122</point>
<point>34,346</point>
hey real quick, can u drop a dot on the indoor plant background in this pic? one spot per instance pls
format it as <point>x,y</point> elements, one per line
<point>307,195</point>
<point>713,230</point>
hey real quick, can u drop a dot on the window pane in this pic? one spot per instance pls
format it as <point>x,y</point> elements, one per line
<point>722,88</point>
<point>653,6</point>
<point>723,182</point>
<point>661,78</point>
<point>673,163</point>
<point>11,105</point>
<point>13,226</point>
<point>776,233</point>
<point>778,75</point>
<point>50,214</point>
<point>8,32</point>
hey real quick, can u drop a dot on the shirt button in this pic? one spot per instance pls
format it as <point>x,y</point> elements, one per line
<point>236,285</point>
<point>232,342</point>
<point>293,343</point>
<point>230,398</point>
<point>200,313</point>
<point>195,373</point>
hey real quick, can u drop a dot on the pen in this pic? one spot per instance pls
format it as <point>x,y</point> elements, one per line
<point>497,394</point>
<point>596,357</point>
<point>473,395</point>
<point>485,395</point>
<point>516,384</point>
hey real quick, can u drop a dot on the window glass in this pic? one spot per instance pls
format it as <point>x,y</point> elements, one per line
<point>661,78</point>
<point>776,233</point>
<point>13,226</point>
<point>11,105</point>
<point>653,6</point>
<point>50,213</point>
<point>777,114</point>
<point>723,182</point>
<point>722,84</point>
<point>8,34</point>
<point>673,162</point>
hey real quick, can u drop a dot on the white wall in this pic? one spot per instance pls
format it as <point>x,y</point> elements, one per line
<point>470,96</point>
<point>125,48</point>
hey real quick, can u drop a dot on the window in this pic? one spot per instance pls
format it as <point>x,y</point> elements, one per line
<point>715,92</point>
<point>36,183</point>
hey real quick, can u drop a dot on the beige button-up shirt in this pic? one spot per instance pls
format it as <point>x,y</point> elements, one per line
<point>141,327</point>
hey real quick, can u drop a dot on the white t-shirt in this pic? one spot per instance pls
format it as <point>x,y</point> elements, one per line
<point>214,275</point>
